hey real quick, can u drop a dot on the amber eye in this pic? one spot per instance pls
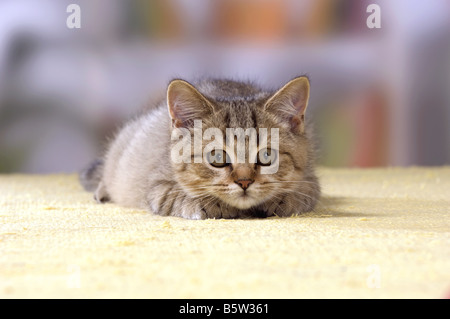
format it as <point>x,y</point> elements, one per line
<point>266,157</point>
<point>218,158</point>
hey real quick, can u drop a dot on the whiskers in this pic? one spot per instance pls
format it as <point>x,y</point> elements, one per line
<point>283,198</point>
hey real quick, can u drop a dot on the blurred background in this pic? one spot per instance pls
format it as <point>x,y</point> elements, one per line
<point>380,97</point>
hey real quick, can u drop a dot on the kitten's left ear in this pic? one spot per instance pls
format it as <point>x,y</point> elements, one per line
<point>290,103</point>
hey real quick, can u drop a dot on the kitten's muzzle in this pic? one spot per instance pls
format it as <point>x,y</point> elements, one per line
<point>244,183</point>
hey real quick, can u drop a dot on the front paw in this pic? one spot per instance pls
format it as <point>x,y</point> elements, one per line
<point>219,210</point>
<point>196,212</point>
<point>277,207</point>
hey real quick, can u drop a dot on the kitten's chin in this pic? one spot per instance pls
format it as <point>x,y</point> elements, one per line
<point>243,201</point>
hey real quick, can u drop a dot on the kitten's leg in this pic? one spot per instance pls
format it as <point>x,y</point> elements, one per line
<point>301,200</point>
<point>168,199</point>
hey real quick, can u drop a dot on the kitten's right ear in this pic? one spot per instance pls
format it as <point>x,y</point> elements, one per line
<point>186,104</point>
<point>290,102</point>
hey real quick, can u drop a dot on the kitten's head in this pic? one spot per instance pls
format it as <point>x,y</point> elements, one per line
<point>276,154</point>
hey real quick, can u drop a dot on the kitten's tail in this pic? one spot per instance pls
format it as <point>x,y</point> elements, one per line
<point>92,175</point>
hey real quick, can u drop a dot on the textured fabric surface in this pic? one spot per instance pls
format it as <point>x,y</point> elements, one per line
<point>377,233</point>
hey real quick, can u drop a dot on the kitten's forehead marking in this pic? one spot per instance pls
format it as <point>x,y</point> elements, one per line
<point>241,115</point>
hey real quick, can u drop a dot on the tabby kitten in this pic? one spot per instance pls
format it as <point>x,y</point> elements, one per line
<point>138,169</point>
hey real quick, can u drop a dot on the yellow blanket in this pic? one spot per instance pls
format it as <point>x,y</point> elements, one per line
<point>377,233</point>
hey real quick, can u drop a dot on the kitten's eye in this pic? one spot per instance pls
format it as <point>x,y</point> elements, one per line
<point>218,158</point>
<point>266,157</point>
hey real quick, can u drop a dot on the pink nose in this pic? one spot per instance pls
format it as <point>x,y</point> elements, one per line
<point>244,183</point>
